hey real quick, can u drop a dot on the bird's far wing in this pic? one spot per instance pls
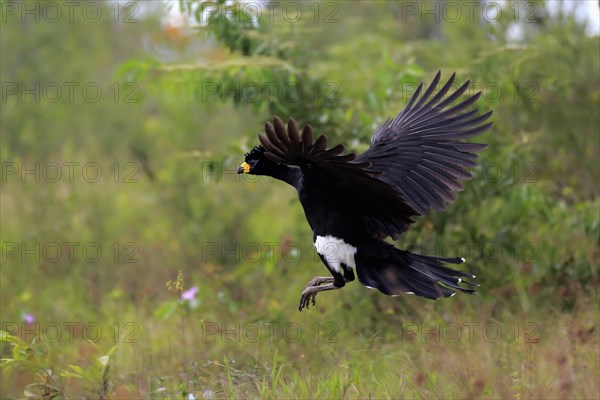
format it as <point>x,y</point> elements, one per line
<point>421,152</point>
<point>379,205</point>
<point>288,146</point>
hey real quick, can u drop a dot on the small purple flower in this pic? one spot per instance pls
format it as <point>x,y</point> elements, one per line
<point>190,294</point>
<point>29,318</point>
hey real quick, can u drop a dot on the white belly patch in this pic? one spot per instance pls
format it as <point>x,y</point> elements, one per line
<point>336,252</point>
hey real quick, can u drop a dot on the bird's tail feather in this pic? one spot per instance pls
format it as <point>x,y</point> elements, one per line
<point>394,271</point>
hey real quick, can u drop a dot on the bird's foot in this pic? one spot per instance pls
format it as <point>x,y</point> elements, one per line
<point>308,296</point>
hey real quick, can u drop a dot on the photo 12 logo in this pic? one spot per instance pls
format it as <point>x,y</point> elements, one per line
<point>290,332</point>
<point>256,92</point>
<point>71,331</point>
<point>292,252</point>
<point>70,92</point>
<point>69,252</point>
<point>491,92</point>
<point>52,12</point>
<point>469,11</point>
<point>292,12</point>
<point>469,331</point>
<point>69,172</point>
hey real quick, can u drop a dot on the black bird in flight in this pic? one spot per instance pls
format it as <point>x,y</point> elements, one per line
<point>415,163</point>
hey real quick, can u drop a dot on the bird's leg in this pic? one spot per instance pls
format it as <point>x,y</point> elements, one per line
<point>310,293</point>
<point>315,282</point>
<point>318,280</point>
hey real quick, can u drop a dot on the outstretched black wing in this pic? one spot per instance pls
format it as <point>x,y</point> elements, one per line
<point>421,152</point>
<point>379,206</point>
<point>416,160</point>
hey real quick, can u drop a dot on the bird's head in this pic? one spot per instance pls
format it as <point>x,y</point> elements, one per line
<point>256,163</point>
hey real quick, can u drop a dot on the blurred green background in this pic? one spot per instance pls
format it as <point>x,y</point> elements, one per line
<point>137,264</point>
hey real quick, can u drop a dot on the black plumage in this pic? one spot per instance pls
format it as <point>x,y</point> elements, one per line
<point>415,163</point>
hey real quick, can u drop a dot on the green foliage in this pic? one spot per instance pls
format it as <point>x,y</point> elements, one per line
<point>48,383</point>
<point>181,105</point>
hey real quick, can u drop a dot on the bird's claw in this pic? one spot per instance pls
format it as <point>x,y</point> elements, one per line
<point>312,288</point>
<point>307,297</point>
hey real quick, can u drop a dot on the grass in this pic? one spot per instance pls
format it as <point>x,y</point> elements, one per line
<point>456,349</point>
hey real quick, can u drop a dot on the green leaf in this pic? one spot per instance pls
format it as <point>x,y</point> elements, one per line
<point>166,310</point>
